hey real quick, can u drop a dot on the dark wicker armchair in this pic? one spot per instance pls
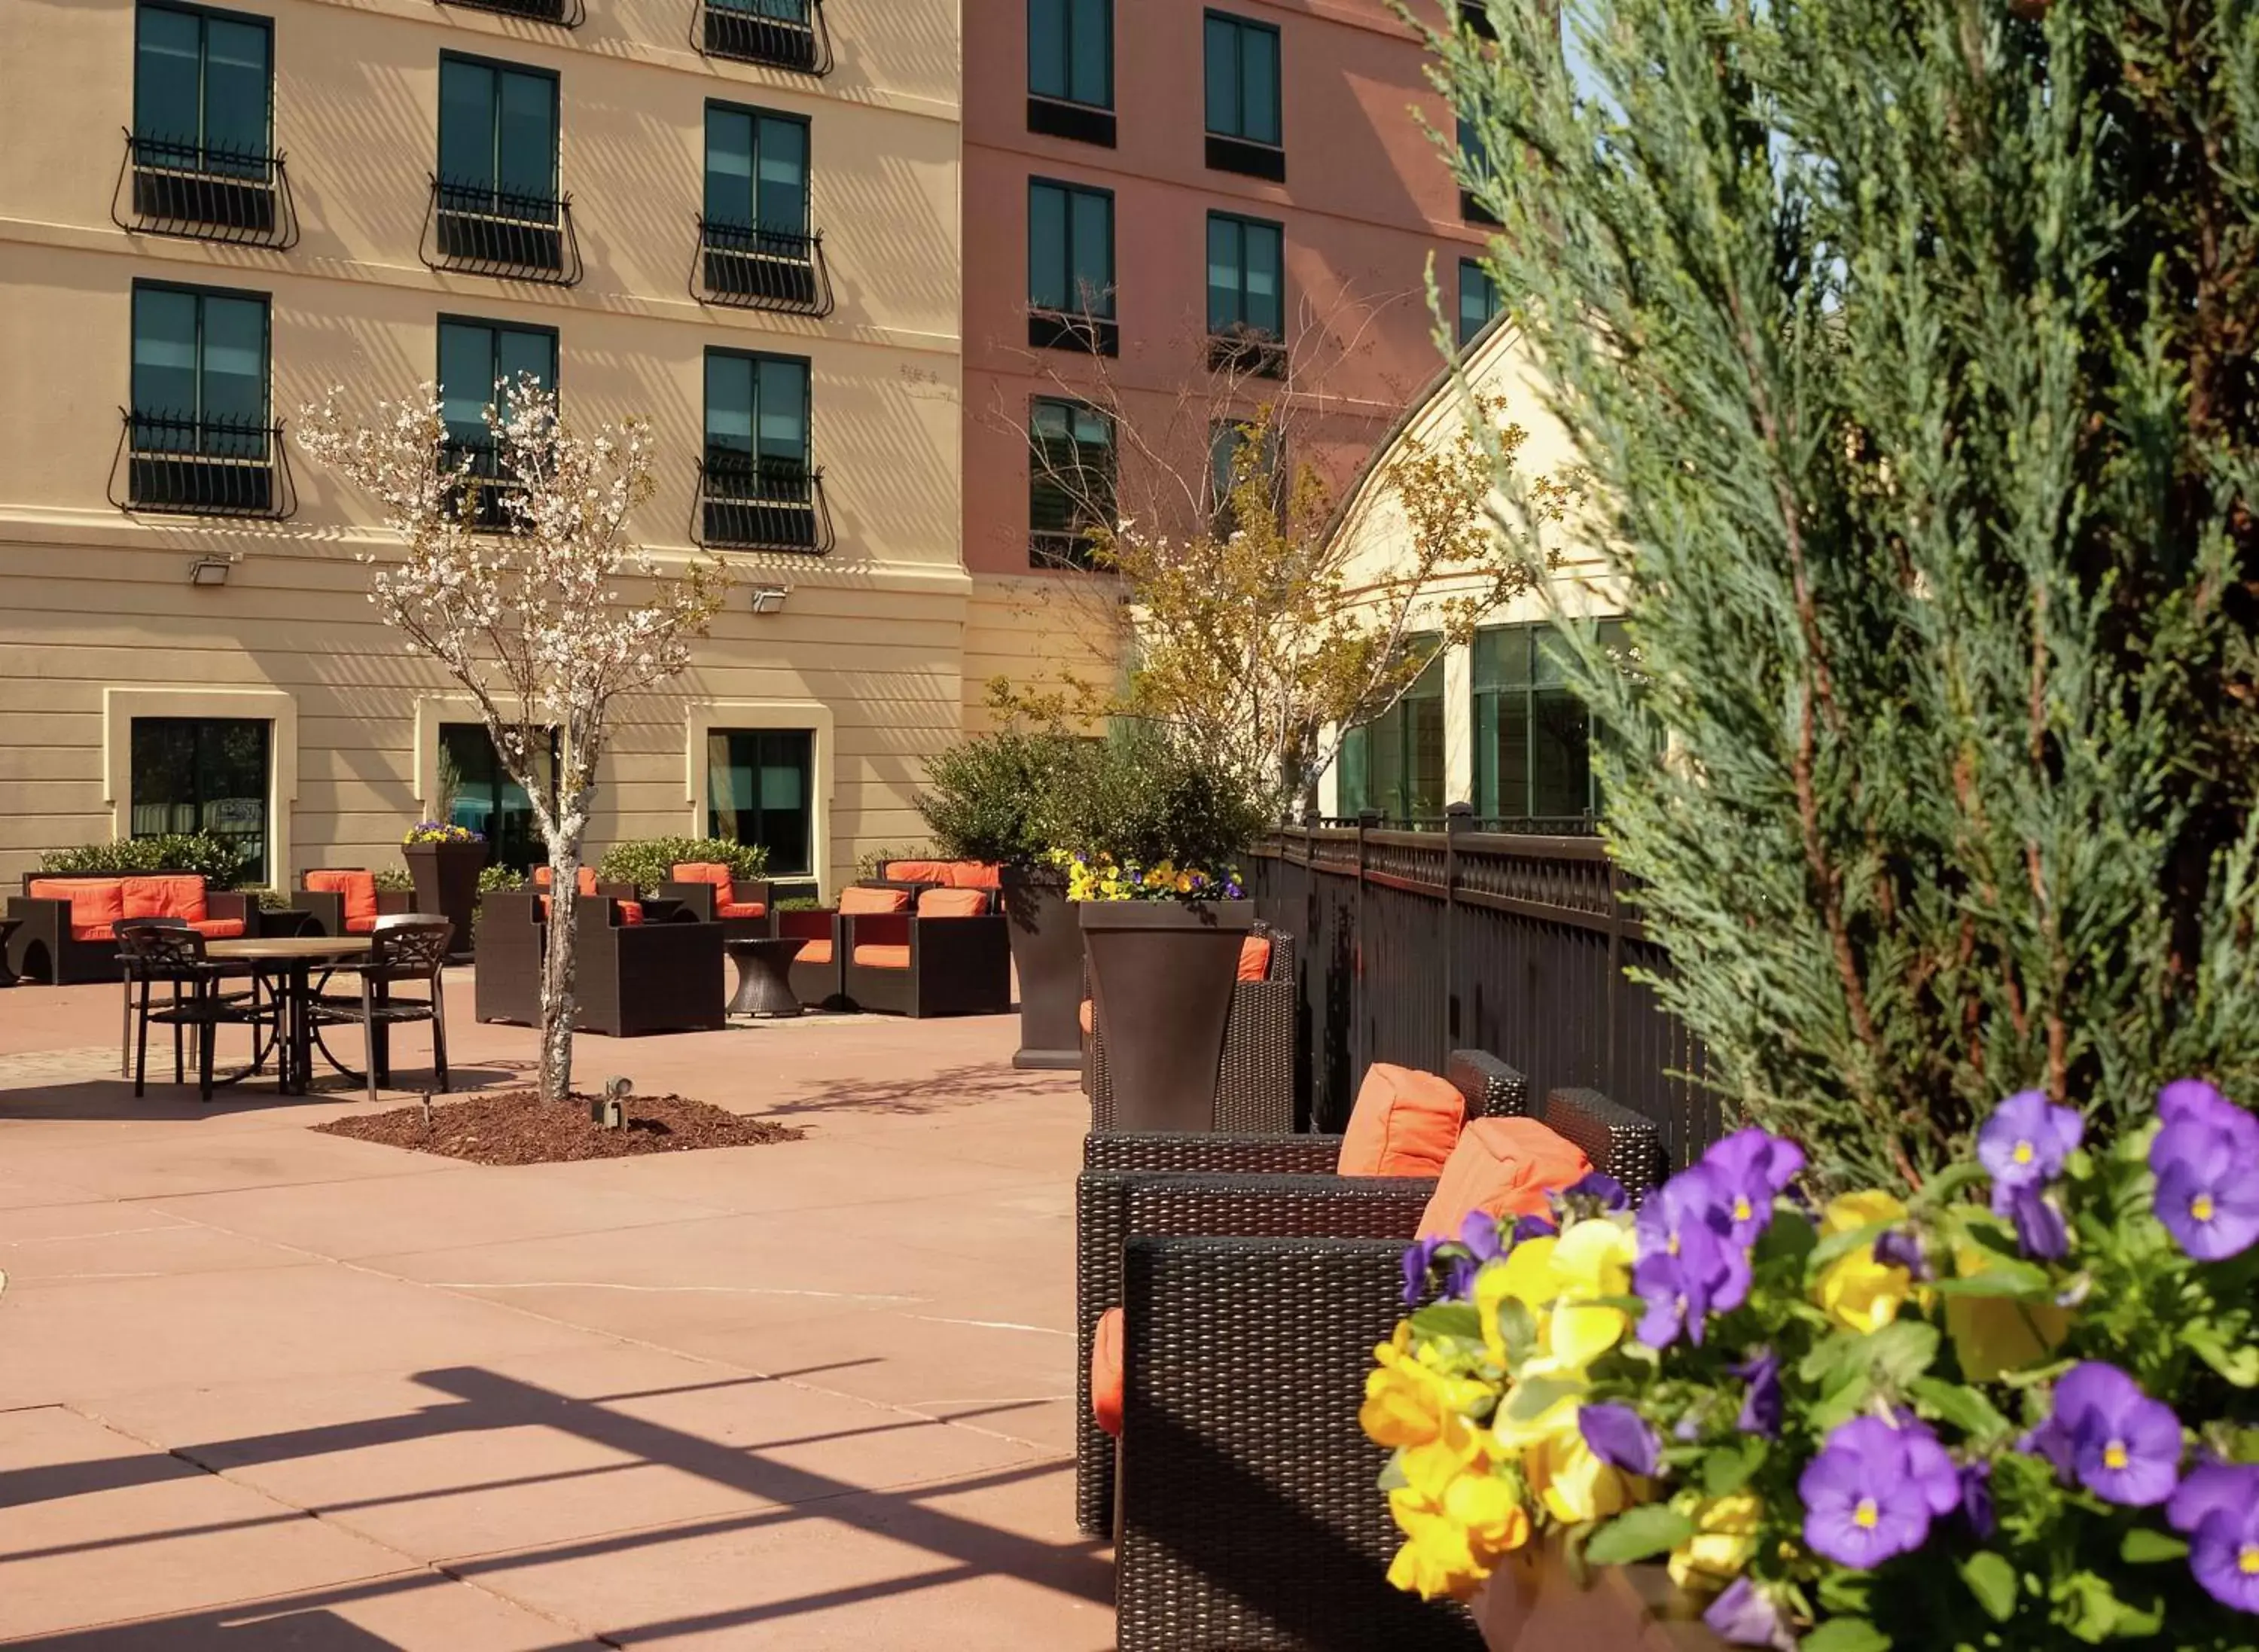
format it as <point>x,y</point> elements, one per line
<point>1255,1079</point>
<point>346,900</point>
<point>708,892</point>
<point>1248,1515</point>
<point>925,963</point>
<point>629,977</point>
<point>1112,1162</point>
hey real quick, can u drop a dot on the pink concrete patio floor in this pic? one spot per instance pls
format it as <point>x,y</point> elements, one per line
<point>261,1388</point>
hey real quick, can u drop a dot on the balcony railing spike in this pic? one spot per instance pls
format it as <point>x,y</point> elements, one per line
<point>786,34</point>
<point>747,267</point>
<point>178,186</point>
<point>480,229</point>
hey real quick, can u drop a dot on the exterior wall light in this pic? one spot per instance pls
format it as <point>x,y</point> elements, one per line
<point>209,571</point>
<point>769,599</point>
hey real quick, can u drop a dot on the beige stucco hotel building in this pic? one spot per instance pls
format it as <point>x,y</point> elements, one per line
<point>209,213</point>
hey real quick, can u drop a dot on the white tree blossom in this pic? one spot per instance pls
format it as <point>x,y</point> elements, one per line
<point>521,580</point>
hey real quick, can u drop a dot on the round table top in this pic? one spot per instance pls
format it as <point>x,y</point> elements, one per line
<point>284,949</point>
<point>762,942</point>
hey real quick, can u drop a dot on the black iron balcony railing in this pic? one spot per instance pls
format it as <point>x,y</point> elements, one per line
<point>483,231</point>
<point>1062,548</point>
<point>1227,153</point>
<point>1060,329</point>
<point>757,268</point>
<point>787,33</point>
<point>180,465</point>
<point>749,503</point>
<point>205,192</point>
<point>565,14</point>
<point>482,491</point>
<point>1246,353</point>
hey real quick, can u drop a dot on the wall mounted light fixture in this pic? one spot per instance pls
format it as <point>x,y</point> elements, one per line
<point>769,599</point>
<point>209,571</point>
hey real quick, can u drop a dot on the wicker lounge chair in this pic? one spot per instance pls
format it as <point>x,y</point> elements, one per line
<point>1255,1079</point>
<point>628,977</point>
<point>935,961</point>
<point>709,893</point>
<point>346,900</point>
<point>1248,1512</point>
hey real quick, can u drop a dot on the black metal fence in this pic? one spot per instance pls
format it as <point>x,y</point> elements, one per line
<point>1418,943</point>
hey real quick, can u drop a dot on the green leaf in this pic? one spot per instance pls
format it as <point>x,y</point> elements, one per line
<point>1639,1534</point>
<point>2145,1547</point>
<point>1947,1182</point>
<point>1830,1355</point>
<point>1842,1244</point>
<point>1517,1328</point>
<point>1848,1594</point>
<point>1537,1395</point>
<point>1449,1319</point>
<point>1992,1580</point>
<point>2019,1281</point>
<point>1843,1400</point>
<point>1846,1634</point>
<point>1789,1239</point>
<point>1727,1469</point>
<point>1391,1472</point>
<point>1902,1351</point>
<point>2239,1365</point>
<point>1966,1408</point>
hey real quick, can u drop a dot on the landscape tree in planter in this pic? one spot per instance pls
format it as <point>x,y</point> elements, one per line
<point>528,592</point>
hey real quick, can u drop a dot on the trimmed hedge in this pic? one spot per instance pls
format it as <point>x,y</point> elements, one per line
<point>219,861</point>
<point>648,862</point>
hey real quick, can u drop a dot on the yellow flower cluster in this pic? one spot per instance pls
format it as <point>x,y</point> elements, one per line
<point>1471,1487</point>
<point>1856,1290</point>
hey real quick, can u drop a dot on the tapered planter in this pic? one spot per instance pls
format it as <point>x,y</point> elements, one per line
<point>1533,1604</point>
<point>1161,976</point>
<point>447,877</point>
<point>1047,955</point>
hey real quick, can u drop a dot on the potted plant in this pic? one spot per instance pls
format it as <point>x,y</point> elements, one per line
<point>993,798</point>
<point>2018,1409</point>
<point>1153,829</point>
<point>444,862</point>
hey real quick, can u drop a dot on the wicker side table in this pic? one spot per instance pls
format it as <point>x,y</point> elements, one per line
<point>764,975</point>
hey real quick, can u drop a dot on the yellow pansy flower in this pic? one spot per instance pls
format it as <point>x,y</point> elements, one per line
<point>1574,1485</point>
<point>1995,1334</point>
<point>1557,1279</point>
<point>1855,1290</point>
<point>1454,1535</point>
<point>1409,1402</point>
<point>1725,1537</point>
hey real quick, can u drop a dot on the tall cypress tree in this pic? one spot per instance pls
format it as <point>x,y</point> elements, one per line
<point>1908,345</point>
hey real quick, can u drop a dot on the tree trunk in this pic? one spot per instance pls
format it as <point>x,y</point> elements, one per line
<point>557,1003</point>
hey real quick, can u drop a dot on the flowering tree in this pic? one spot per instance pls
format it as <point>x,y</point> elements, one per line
<point>521,580</point>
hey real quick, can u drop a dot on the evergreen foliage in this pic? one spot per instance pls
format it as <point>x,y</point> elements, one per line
<point>1907,344</point>
<point>219,861</point>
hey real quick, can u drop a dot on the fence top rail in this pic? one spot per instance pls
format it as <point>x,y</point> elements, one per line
<point>1501,845</point>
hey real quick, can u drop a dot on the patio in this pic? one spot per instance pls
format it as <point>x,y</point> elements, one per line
<point>261,1387</point>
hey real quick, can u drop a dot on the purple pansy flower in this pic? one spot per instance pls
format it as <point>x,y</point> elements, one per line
<point>2217,1507</point>
<point>1901,1247</point>
<point>2110,1436</point>
<point>1976,1500</point>
<point>1533,1227</point>
<point>1762,1406</point>
<point>1756,1167</point>
<point>2207,1197</point>
<point>1689,1266</point>
<point>2025,1143</point>
<point>1874,1490</point>
<point>2040,1231</point>
<point>1595,1193</point>
<point>1419,1262</point>
<point>1620,1436</point>
<point>1744,1615</point>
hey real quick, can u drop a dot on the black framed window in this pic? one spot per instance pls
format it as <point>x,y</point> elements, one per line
<point>1229,461</point>
<point>1243,79</point>
<point>489,802</point>
<point>1071,267</point>
<point>756,170</point>
<point>205,774</point>
<point>479,360</point>
<point>757,485</point>
<point>1478,298</point>
<point>1071,480</point>
<point>1476,157</point>
<point>1394,764</point>
<point>760,788</point>
<point>498,135</point>
<point>1246,279</point>
<point>203,89</point>
<point>1070,51</point>
<point>1533,737</point>
<point>200,370</point>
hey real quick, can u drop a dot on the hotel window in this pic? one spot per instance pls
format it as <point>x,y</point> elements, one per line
<point>757,486</point>
<point>1533,737</point>
<point>203,145</point>
<point>1478,298</point>
<point>1070,481</point>
<point>488,800</point>
<point>1229,463</point>
<point>1070,269</point>
<point>1394,764</point>
<point>199,437</point>
<point>1071,69</point>
<point>1246,296</point>
<point>757,232</point>
<point>203,775</point>
<point>1243,98</point>
<point>760,786</point>
<point>1477,160</point>
<point>496,203</point>
<point>480,362</point>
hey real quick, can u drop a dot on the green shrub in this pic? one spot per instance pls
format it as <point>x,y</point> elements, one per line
<point>800,903</point>
<point>648,862</point>
<point>219,861</point>
<point>394,880</point>
<point>873,862</point>
<point>500,877</point>
<point>268,900</point>
<point>990,797</point>
<point>1143,797</point>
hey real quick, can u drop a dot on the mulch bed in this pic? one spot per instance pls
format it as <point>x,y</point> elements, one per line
<point>517,1127</point>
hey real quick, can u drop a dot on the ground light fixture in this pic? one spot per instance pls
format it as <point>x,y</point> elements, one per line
<point>209,571</point>
<point>769,599</point>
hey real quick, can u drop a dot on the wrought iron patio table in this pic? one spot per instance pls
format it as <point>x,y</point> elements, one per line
<point>287,964</point>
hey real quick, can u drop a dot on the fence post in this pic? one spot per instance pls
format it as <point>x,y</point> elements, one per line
<point>1458,817</point>
<point>1615,979</point>
<point>1360,1050</point>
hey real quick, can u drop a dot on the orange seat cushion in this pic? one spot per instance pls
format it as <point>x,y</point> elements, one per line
<point>217,929</point>
<point>1404,1123</point>
<point>953,903</point>
<point>703,872</point>
<point>1255,959</point>
<point>367,926</point>
<point>975,874</point>
<point>541,877</point>
<point>1088,1017</point>
<point>741,909</point>
<point>876,957</point>
<point>181,897</point>
<point>1106,1382</point>
<point>631,911</point>
<point>814,952</point>
<point>859,900</point>
<point>93,931</point>
<point>918,871</point>
<point>95,903</point>
<point>358,889</point>
<point>1505,1166</point>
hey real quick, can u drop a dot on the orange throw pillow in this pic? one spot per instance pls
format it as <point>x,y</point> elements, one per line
<point>1106,1378</point>
<point>1505,1166</point>
<point>1088,1017</point>
<point>541,877</point>
<point>706,872</point>
<point>975,874</point>
<point>1255,959</point>
<point>953,903</point>
<point>179,897</point>
<point>918,871</point>
<point>585,880</point>
<point>358,889</point>
<point>859,900</point>
<point>95,903</point>
<point>1404,1123</point>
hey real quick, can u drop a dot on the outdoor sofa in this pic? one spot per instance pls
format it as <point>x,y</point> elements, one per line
<point>67,921</point>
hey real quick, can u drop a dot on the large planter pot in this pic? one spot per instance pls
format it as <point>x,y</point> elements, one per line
<point>1047,954</point>
<point>447,883</point>
<point>1533,1604</point>
<point>1161,975</point>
